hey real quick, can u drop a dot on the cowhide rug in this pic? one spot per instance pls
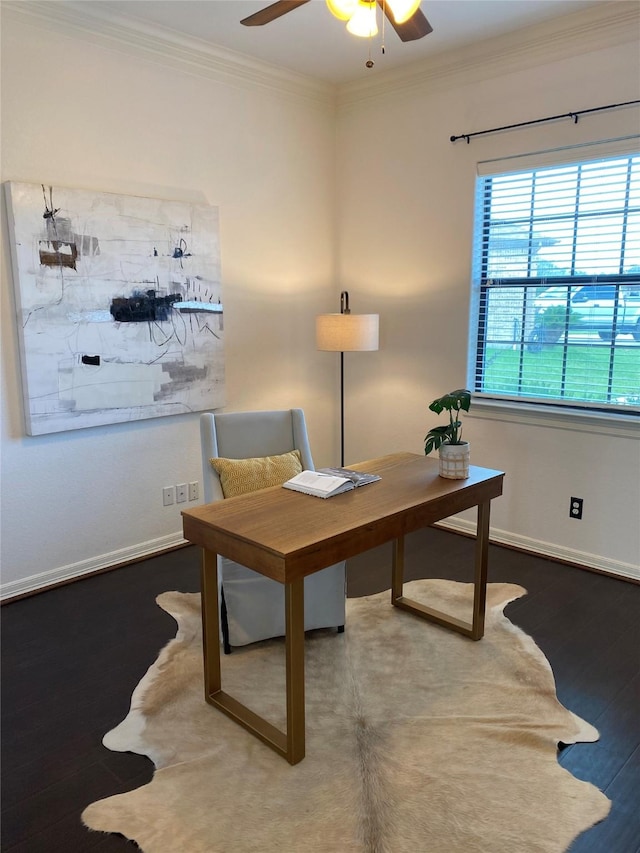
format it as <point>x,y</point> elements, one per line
<point>418,741</point>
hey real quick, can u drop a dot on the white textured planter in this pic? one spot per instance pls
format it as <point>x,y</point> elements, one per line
<point>454,461</point>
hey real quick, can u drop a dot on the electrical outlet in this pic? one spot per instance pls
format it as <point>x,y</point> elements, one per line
<point>575,509</point>
<point>167,495</point>
<point>194,491</point>
<point>181,493</point>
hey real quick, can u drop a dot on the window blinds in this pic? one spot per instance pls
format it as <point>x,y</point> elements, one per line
<point>557,266</point>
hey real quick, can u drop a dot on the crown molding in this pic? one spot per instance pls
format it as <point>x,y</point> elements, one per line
<point>162,45</point>
<point>606,25</point>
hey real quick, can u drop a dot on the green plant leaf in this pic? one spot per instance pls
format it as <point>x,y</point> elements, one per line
<point>453,402</point>
<point>435,437</point>
<point>464,399</point>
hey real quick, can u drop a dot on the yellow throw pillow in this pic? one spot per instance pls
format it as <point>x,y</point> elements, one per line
<point>238,476</point>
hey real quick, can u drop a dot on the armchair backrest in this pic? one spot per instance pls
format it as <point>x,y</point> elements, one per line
<point>243,435</point>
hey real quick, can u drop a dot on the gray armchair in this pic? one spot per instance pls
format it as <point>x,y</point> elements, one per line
<point>252,606</point>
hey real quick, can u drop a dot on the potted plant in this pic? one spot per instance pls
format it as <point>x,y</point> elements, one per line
<point>447,439</point>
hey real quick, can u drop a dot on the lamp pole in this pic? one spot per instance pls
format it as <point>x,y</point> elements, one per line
<point>341,409</point>
<point>344,309</point>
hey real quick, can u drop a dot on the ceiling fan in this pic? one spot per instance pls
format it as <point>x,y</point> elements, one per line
<point>413,27</point>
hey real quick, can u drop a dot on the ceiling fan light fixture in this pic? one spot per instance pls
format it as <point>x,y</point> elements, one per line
<point>363,21</point>
<point>402,9</point>
<point>342,9</point>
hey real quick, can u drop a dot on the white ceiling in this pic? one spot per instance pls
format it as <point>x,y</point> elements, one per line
<point>310,41</point>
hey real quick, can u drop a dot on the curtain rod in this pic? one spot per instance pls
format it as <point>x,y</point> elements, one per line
<point>574,116</point>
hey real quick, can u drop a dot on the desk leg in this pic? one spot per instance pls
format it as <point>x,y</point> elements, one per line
<point>294,621</point>
<point>210,623</point>
<point>473,629</point>
<point>480,575</point>
<point>289,744</point>
<point>397,570</point>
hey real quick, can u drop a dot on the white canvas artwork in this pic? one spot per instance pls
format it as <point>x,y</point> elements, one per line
<point>119,305</point>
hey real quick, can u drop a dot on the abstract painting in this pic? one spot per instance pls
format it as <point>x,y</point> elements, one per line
<point>119,306</point>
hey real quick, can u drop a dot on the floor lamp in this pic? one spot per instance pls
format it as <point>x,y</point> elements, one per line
<point>346,332</point>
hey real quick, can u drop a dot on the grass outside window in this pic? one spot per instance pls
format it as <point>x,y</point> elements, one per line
<point>578,372</point>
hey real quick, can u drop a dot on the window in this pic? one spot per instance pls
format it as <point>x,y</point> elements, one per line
<point>556,315</point>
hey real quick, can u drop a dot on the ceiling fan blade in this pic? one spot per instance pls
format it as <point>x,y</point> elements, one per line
<point>270,13</point>
<point>415,28</point>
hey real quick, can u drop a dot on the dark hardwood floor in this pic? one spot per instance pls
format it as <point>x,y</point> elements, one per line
<point>71,657</point>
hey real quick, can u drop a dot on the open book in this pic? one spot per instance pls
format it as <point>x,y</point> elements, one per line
<point>327,482</point>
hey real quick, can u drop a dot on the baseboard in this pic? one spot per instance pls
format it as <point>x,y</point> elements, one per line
<point>64,574</point>
<point>548,549</point>
<point>104,562</point>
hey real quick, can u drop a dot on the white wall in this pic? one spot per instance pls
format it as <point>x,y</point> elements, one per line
<point>78,111</point>
<point>406,217</point>
<point>80,114</point>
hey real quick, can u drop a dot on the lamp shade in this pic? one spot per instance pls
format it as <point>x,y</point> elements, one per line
<point>347,332</point>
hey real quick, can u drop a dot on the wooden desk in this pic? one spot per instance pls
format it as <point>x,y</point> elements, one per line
<point>286,535</point>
